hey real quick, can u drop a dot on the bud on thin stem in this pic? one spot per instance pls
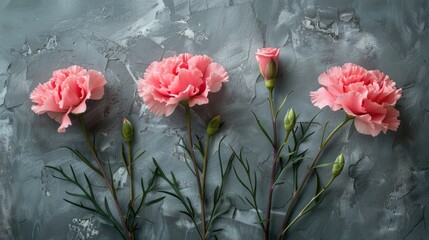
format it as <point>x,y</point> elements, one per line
<point>213,126</point>
<point>127,131</point>
<point>290,120</point>
<point>338,166</point>
<point>271,70</point>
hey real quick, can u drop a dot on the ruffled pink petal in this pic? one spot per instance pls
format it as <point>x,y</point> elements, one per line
<point>66,92</point>
<point>96,84</point>
<point>200,62</point>
<point>48,105</point>
<point>200,99</point>
<point>185,95</point>
<point>391,121</point>
<point>64,119</point>
<point>81,108</point>
<point>176,79</point>
<point>43,96</point>
<point>185,57</point>
<point>354,73</point>
<point>375,110</point>
<point>364,125</point>
<point>186,78</point>
<point>332,76</point>
<point>74,70</point>
<point>158,108</point>
<point>70,93</point>
<point>39,94</point>
<point>322,98</point>
<point>351,102</point>
<point>215,76</point>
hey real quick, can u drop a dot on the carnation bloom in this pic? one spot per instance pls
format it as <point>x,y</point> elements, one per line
<point>368,96</point>
<point>180,78</point>
<point>66,92</point>
<point>264,57</point>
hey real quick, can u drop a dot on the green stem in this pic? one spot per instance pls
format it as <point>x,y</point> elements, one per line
<point>303,211</point>
<point>346,119</point>
<point>130,172</point>
<point>106,179</point>
<point>197,171</point>
<point>274,166</point>
<point>205,164</point>
<point>297,193</point>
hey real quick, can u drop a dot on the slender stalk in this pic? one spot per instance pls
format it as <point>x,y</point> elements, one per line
<point>106,179</point>
<point>197,173</point>
<point>274,167</point>
<point>130,172</point>
<point>306,206</point>
<point>203,187</point>
<point>309,171</point>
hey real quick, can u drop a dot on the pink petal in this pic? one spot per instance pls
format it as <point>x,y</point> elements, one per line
<point>62,118</point>
<point>158,108</point>
<point>375,110</point>
<point>185,95</point>
<point>69,93</point>
<point>322,98</point>
<point>351,102</point>
<point>200,62</point>
<point>332,76</point>
<point>185,78</point>
<point>364,125</point>
<point>391,120</point>
<point>96,84</point>
<point>46,101</point>
<point>200,99</point>
<point>81,108</point>
<point>215,76</point>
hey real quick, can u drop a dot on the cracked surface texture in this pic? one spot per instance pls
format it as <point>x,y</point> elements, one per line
<point>382,193</point>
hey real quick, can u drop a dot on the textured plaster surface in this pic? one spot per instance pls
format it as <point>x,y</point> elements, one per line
<point>383,192</point>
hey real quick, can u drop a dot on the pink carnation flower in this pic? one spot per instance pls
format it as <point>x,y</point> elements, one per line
<point>368,96</point>
<point>264,57</point>
<point>180,78</point>
<point>66,92</point>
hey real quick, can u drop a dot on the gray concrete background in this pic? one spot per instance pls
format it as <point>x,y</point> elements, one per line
<point>383,192</point>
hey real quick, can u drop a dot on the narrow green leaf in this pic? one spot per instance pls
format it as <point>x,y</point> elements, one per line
<point>154,201</point>
<point>76,195</point>
<point>323,134</point>
<point>80,205</point>
<point>139,156</point>
<point>283,103</point>
<point>123,158</point>
<point>323,165</point>
<point>262,128</point>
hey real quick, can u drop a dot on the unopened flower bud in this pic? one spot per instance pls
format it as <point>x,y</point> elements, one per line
<point>337,168</point>
<point>127,131</point>
<point>271,70</point>
<point>213,126</point>
<point>290,120</point>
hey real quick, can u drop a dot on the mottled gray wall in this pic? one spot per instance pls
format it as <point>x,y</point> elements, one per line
<point>382,194</point>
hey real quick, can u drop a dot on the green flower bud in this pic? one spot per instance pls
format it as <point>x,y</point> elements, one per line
<point>270,84</point>
<point>127,131</point>
<point>271,70</point>
<point>337,168</point>
<point>290,120</point>
<point>213,126</point>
